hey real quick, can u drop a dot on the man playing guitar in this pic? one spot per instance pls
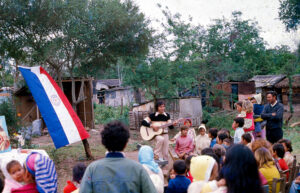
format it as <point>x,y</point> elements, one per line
<point>162,141</point>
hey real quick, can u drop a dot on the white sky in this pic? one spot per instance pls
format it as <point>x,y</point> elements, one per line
<point>265,12</point>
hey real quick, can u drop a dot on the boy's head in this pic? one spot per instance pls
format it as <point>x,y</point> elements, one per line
<point>206,151</point>
<point>221,138</point>
<point>179,167</point>
<point>16,170</point>
<point>246,138</point>
<point>238,122</point>
<point>78,171</point>
<point>213,133</point>
<point>115,136</point>
<point>184,131</point>
<point>278,150</point>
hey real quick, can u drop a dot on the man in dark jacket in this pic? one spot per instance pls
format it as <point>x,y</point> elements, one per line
<point>273,114</point>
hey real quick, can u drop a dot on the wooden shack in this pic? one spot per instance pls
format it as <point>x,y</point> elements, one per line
<point>28,111</point>
<point>284,87</point>
<point>231,92</point>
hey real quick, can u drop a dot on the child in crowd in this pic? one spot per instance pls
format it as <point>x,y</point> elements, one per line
<point>202,140</point>
<point>181,183</point>
<point>212,134</point>
<point>191,131</point>
<point>171,175</point>
<point>266,166</point>
<point>16,171</point>
<point>78,171</point>
<point>227,142</point>
<point>288,157</point>
<point>238,125</point>
<point>246,139</point>
<point>220,151</point>
<point>247,114</point>
<point>220,139</point>
<point>184,144</point>
<point>257,110</point>
<point>188,166</point>
<point>278,154</point>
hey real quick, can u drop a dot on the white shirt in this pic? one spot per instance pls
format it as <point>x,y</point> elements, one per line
<point>272,105</point>
<point>238,135</point>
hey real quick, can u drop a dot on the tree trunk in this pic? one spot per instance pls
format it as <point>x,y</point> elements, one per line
<point>87,149</point>
<point>16,75</point>
<point>290,78</point>
<point>59,78</point>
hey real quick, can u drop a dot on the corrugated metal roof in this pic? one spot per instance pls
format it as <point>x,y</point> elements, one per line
<point>267,80</point>
<point>109,82</point>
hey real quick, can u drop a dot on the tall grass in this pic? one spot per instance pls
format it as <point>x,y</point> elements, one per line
<point>105,114</point>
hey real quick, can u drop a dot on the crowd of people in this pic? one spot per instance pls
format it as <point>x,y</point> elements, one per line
<point>209,160</point>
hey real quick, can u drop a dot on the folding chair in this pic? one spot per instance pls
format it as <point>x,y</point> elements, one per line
<point>281,183</point>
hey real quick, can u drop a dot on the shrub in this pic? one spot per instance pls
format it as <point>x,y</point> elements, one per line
<point>8,110</point>
<point>105,114</point>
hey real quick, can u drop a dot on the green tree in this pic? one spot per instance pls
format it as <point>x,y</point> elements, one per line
<point>289,13</point>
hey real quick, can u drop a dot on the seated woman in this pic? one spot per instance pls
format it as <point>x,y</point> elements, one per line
<point>146,158</point>
<point>36,166</point>
<point>266,166</point>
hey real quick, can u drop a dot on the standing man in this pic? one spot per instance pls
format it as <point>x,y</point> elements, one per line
<point>273,114</point>
<point>162,141</point>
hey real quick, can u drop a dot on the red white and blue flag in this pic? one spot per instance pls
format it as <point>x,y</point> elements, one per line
<point>63,123</point>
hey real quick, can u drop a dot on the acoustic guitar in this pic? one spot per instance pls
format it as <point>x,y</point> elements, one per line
<point>147,133</point>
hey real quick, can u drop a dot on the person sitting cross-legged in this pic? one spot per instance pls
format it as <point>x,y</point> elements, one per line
<point>115,173</point>
<point>184,144</point>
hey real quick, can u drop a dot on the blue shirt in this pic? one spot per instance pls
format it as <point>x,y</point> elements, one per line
<point>115,174</point>
<point>179,184</point>
<point>213,142</point>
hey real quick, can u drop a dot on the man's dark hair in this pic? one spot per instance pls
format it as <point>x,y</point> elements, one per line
<point>2,181</point>
<point>222,136</point>
<point>184,128</point>
<point>115,136</point>
<point>213,132</point>
<point>179,167</point>
<point>158,104</point>
<point>78,171</point>
<point>240,121</point>
<point>273,93</point>
<point>279,149</point>
<point>207,150</point>
<point>287,143</point>
<point>247,137</point>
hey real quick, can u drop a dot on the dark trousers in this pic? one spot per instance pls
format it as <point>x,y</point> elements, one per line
<point>274,134</point>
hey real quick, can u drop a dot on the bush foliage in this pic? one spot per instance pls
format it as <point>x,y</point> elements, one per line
<point>105,114</point>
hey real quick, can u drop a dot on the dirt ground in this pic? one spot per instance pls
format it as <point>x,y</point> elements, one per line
<point>67,157</point>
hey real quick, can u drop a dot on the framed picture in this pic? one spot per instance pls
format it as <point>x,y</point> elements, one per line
<point>4,137</point>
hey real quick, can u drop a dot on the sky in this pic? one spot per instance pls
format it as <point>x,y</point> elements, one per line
<point>265,12</point>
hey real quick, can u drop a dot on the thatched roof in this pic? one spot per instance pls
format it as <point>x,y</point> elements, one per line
<point>267,80</point>
<point>285,82</point>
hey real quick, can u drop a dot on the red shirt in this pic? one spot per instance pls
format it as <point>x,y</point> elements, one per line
<point>70,187</point>
<point>284,167</point>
